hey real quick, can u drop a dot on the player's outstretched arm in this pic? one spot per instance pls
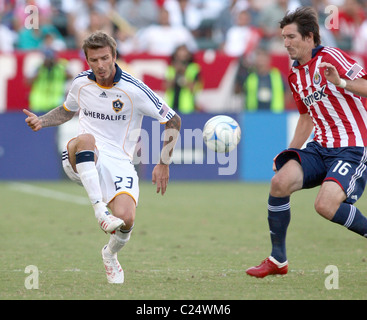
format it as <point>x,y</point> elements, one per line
<point>32,120</point>
<point>171,133</point>
<point>356,86</point>
<point>302,132</point>
<point>53,118</point>
<point>160,175</point>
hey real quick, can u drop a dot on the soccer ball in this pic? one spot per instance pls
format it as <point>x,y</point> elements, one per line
<point>221,133</point>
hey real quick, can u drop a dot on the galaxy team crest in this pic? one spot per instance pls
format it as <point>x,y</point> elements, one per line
<point>117,105</point>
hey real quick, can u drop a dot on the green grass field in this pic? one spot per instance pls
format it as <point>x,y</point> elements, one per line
<point>194,243</point>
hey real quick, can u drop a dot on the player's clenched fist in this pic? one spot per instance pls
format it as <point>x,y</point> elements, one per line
<point>32,120</point>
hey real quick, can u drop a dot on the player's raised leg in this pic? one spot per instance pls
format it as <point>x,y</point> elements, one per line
<point>330,204</point>
<point>82,158</point>
<point>122,206</point>
<point>287,180</point>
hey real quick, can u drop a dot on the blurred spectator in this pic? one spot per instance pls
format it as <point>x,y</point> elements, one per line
<point>97,21</point>
<point>253,8</point>
<point>162,39</point>
<point>33,39</point>
<point>8,38</point>
<point>79,15</point>
<point>48,83</point>
<point>7,13</point>
<point>243,69</point>
<point>359,44</point>
<point>126,41</point>
<point>269,23</point>
<point>264,87</point>
<point>32,20</point>
<point>227,19</point>
<point>241,38</point>
<point>183,81</point>
<point>124,32</point>
<point>207,34</point>
<point>21,15</point>
<point>351,16</point>
<point>183,13</point>
<point>59,13</point>
<point>159,3</point>
<point>138,13</point>
<point>210,9</point>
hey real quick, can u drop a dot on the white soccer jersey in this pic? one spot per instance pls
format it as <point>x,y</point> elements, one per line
<point>113,115</point>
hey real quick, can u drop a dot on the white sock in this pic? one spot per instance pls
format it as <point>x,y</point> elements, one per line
<point>118,241</point>
<point>100,208</point>
<point>280,265</point>
<point>89,176</point>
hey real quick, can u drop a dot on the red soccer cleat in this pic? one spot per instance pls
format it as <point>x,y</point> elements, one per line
<point>268,267</point>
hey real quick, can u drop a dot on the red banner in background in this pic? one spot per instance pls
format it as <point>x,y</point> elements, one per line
<point>218,73</point>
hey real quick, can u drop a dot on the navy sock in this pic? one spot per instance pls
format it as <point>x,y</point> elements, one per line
<point>350,217</point>
<point>279,216</point>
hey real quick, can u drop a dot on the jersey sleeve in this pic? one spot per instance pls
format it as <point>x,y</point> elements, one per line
<point>347,67</point>
<point>151,105</point>
<point>71,102</point>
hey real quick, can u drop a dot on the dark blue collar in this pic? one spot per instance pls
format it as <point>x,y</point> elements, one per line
<point>314,52</point>
<point>116,78</point>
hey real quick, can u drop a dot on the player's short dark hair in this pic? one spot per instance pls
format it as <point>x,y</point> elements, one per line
<point>97,40</point>
<point>306,20</point>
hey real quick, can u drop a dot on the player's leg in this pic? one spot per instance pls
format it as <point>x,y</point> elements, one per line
<point>122,206</point>
<point>333,203</point>
<point>286,181</point>
<point>82,159</point>
<point>121,190</point>
<point>350,217</point>
<point>297,169</point>
<point>328,199</point>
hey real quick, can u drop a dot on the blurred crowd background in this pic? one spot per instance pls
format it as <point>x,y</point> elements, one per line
<point>246,30</point>
<point>137,24</point>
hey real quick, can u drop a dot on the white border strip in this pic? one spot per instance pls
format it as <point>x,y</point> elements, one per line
<point>47,193</point>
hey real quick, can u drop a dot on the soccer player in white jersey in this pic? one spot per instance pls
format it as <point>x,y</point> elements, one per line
<point>111,104</point>
<point>327,87</point>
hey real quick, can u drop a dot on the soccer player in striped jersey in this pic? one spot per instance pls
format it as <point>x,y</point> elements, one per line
<point>111,105</point>
<point>327,86</point>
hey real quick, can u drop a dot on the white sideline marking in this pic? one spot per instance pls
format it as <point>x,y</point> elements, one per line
<point>47,193</point>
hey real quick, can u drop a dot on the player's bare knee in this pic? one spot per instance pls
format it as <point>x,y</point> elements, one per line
<point>324,209</point>
<point>279,186</point>
<point>129,223</point>
<point>85,142</point>
<point>127,215</point>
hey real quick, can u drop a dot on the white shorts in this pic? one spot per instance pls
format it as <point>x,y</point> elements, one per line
<point>116,176</point>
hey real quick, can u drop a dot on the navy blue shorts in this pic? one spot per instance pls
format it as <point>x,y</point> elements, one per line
<point>346,166</point>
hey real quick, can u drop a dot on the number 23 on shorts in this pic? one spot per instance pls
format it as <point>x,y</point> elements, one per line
<point>121,182</point>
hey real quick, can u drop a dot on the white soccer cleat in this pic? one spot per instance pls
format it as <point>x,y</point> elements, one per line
<point>108,222</point>
<point>114,272</point>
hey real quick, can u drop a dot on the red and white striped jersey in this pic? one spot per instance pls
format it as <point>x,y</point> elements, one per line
<point>339,116</point>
